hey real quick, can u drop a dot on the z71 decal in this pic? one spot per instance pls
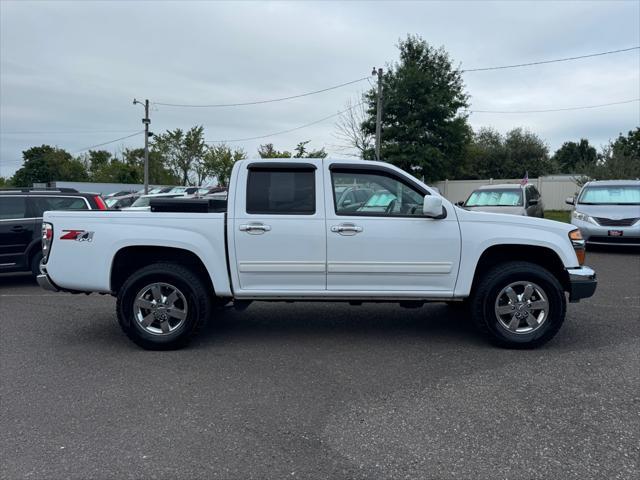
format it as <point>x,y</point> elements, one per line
<point>77,235</point>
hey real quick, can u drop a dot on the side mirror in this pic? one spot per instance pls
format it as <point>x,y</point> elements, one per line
<point>533,201</point>
<point>570,201</point>
<point>460,203</point>
<point>432,206</point>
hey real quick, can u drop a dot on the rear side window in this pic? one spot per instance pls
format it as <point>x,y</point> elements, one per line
<point>13,208</point>
<point>43,204</point>
<point>281,192</point>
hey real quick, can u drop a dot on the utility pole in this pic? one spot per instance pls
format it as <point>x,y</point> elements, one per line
<point>146,120</point>
<point>378,111</point>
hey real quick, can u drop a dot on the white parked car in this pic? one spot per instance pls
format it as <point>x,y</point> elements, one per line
<point>284,238</point>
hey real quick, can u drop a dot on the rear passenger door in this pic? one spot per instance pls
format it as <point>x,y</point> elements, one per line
<point>279,228</point>
<point>16,231</point>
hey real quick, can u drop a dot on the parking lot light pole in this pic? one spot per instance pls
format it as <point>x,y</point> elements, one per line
<point>146,120</point>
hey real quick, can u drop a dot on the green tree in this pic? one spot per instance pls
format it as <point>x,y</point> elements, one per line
<point>572,155</point>
<point>5,182</point>
<point>220,159</point>
<point>485,154</point>
<point>47,164</point>
<point>96,160</point>
<point>158,173</point>
<point>184,153</point>
<point>491,155</point>
<point>268,151</point>
<point>423,128</point>
<point>302,152</point>
<point>618,160</point>
<point>526,152</point>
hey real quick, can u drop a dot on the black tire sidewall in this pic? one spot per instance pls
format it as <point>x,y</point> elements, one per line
<point>35,263</point>
<point>136,332</point>
<point>551,325</point>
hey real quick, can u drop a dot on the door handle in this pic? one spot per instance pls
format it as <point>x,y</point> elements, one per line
<point>255,228</point>
<point>17,228</point>
<point>346,229</point>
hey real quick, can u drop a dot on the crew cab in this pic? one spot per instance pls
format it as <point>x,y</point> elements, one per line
<point>283,235</point>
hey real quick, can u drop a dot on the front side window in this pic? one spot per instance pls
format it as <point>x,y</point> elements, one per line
<point>12,208</point>
<point>281,192</point>
<point>500,197</point>
<point>610,195</point>
<point>374,194</point>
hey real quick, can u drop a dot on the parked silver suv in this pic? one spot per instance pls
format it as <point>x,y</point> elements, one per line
<point>607,212</point>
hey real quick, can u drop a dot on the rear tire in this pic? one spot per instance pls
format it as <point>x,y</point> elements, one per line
<point>36,262</point>
<point>519,305</point>
<point>162,306</point>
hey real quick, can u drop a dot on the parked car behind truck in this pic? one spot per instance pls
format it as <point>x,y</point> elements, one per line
<point>283,237</point>
<point>607,212</point>
<point>21,212</point>
<point>507,198</point>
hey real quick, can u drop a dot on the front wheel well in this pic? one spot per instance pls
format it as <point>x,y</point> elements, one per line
<point>543,256</point>
<point>130,259</point>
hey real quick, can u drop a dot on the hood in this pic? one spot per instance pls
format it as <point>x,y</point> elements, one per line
<point>614,212</point>
<point>533,223</point>
<point>507,210</point>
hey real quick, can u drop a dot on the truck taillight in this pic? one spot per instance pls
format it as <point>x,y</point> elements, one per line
<point>100,203</point>
<point>47,238</point>
<point>578,245</point>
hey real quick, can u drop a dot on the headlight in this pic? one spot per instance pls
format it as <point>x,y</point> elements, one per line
<point>583,216</point>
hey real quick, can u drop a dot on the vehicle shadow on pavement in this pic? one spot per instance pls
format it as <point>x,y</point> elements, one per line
<point>329,320</point>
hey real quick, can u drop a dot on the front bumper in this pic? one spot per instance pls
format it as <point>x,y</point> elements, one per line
<point>582,283</point>
<point>45,282</point>
<point>599,235</point>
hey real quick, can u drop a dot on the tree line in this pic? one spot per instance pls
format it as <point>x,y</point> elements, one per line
<point>176,157</point>
<point>425,131</point>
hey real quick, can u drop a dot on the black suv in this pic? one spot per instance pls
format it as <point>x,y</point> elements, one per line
<point>21,212</point>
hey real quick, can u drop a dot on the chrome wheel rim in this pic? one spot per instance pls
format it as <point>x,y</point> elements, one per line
<point>160,308</point>
<point>522,307</point>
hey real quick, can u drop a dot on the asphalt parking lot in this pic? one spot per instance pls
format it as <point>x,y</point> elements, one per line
<point>320,391</point>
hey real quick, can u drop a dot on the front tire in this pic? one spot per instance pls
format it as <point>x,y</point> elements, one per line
<point>519,305</point>
<point>162,306</point>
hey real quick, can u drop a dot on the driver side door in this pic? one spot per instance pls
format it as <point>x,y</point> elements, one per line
<point>387,244</point>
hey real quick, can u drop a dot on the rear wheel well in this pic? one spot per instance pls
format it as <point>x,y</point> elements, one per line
<point>542,256</point>
<point>131,259</point>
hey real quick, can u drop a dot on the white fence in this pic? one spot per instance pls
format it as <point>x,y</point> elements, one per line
<point>554,189</point>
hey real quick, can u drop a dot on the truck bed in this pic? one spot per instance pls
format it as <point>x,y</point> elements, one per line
<point>86,242</point>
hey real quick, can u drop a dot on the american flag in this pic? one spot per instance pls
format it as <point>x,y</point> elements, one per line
<point>525,180</point>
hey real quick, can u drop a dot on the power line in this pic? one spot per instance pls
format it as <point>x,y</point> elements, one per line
<point>78,132</point>
<point>282,132</point>
<point>566,59</point>
<point>259,102</point>
<point>107,143</point>
<point>583,107</point>
<point>481,69</point>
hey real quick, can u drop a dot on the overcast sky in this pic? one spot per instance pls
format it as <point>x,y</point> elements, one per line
<point>69,70</point>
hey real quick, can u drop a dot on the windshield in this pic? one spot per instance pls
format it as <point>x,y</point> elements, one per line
<point>495,198</point>
<point>141,202</point>
<point>611,195</point>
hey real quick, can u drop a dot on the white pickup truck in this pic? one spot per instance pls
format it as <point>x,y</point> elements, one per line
<point>317,229</point>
